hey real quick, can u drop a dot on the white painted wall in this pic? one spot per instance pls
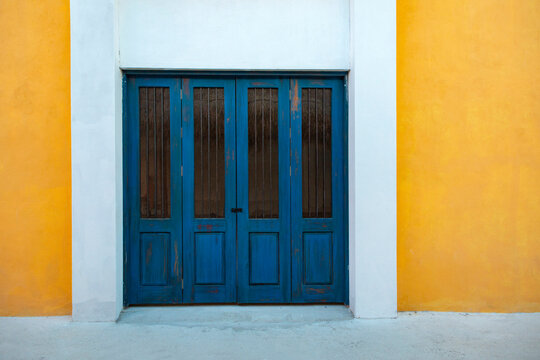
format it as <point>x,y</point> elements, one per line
<point>96,162</point>
<point>372,160</point>
<point>234,34</point>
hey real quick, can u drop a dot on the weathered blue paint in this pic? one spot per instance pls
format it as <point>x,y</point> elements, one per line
<point>251,261</point>
<point>210,258</point>
<point>346,187</point>
<point>155,249</point>
<point>125,198</point>
<point>234,74</point>
<point>235,259</point>
<point>263,258</point>
<point>318,253</point>
<point>201,244</point>
<point>318,245</point>
<point>154,245</point>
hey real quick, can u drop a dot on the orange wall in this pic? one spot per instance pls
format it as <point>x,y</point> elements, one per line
<point>35,192</point>
<point>469,155</point>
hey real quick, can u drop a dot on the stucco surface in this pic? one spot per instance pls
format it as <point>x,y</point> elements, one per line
<point>35,193</point>
<point>468,235</point>
<point>96,161</point>
<point>312,332</point>
<point>468,125</point>
<point>372,159</point>
<point>234,34</point>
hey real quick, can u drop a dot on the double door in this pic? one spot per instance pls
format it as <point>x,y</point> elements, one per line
<point>234,190</point>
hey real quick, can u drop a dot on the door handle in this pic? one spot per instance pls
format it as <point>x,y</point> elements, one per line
<point>236,210</point>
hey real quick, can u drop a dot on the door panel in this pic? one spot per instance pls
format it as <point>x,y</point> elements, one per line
<point>210,258</point>
<point>154,258</point>
<point>263,190</point>
<point>317,191</point>
<point>154,190</point>
<point>318,253</point>
<point>264,259</point>
<point>209,174</point>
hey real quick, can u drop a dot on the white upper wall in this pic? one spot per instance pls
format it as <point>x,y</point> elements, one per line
<point>234,34</point>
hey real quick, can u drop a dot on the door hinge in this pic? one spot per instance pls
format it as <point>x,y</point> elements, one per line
<point>182,170</point>
<point>290,171</point>
<point>181,132</point>
<point>290,96</point>
<point>182,284</point>
<point>181,94</point>
<point>290,133</point>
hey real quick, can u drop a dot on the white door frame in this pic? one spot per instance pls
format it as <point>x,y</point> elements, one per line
<point>96,160</point>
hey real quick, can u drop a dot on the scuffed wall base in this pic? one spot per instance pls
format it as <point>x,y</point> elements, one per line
<point>95,311</point>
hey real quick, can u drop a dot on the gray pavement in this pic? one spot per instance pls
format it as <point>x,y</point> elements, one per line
<point>272,332</point>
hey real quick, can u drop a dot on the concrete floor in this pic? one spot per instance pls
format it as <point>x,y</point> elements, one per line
<point>272,332</point>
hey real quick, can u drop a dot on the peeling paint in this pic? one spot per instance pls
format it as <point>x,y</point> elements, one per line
<point>295,99</point>
<point>207,227</point>
<point>176,267</point>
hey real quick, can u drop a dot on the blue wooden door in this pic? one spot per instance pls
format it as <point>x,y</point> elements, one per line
<point>234,190</point>
<point>263,183</point>
<point>209,174</point>
<point>153,191</point>
<point>317,138</point>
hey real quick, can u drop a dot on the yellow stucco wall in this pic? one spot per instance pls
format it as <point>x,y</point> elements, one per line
<point>469,155</point>
<point>35,193</point>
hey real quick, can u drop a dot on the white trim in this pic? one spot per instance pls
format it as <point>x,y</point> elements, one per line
<point>96,138</point>
<point>372,159</point>
<point>96,162</point>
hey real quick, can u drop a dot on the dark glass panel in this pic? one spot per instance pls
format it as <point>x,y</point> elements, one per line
<point>263,160</point>
<point>154,152</point>
<point>209,148</point>
<point>316,153</point>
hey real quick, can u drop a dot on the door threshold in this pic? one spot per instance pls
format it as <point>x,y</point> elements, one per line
<point>234,316</point>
